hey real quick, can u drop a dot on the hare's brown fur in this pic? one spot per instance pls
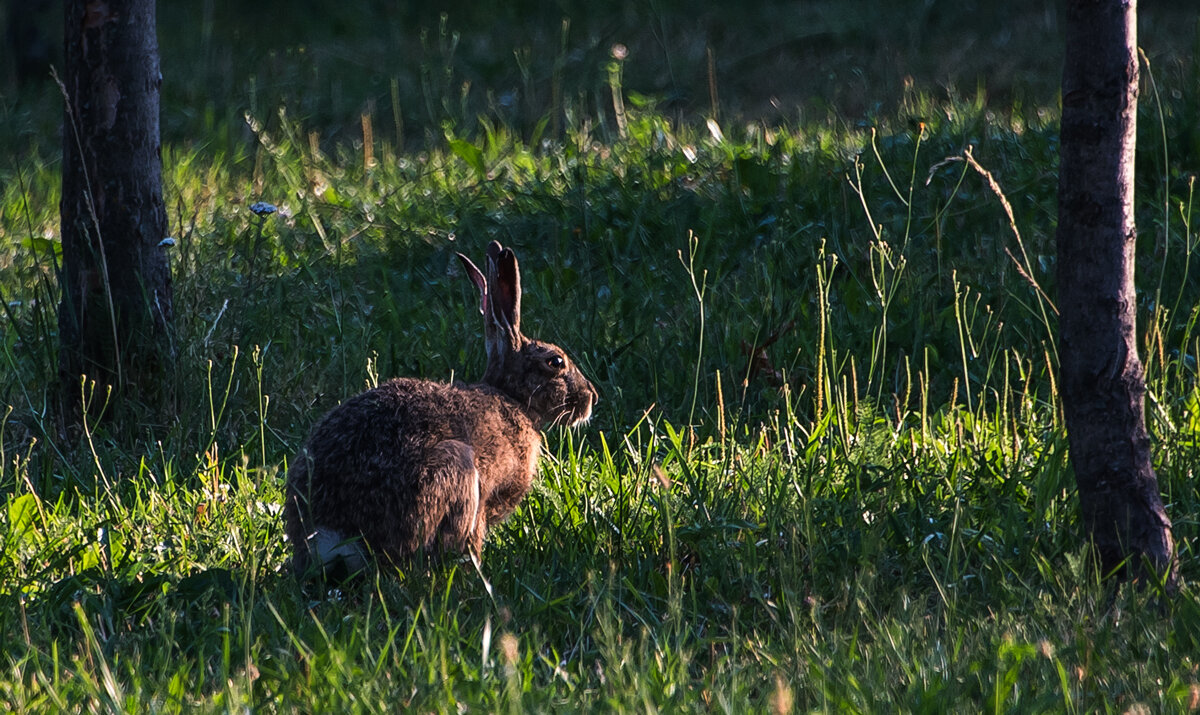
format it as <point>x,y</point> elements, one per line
<point>415,465</point>
<point>356,467</point>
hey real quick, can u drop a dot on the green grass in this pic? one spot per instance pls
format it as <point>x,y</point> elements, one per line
<point>829,470</point>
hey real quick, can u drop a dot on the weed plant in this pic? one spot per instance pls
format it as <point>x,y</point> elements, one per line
<point>829,470</point>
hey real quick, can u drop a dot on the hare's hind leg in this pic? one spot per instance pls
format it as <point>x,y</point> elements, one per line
<point>448,500</point>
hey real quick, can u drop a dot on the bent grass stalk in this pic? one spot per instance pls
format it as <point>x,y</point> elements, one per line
<point>698,289</point>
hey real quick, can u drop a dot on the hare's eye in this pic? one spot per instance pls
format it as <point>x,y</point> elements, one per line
<point>555,361</point>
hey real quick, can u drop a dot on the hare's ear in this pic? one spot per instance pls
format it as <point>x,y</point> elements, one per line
<point>503,313</point>
<point>476,278</point>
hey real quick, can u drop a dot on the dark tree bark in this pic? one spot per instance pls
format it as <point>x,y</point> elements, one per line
<point>1103,388</point>
<point>117,299</point>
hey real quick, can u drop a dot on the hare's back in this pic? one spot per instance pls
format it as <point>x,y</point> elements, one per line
<point>407,412</point>
<point>402,409</point>
<point>439,409</point>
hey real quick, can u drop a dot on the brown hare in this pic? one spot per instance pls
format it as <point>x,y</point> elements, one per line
<point>416,465</point>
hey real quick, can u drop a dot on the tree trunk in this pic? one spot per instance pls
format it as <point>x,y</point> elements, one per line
<point>1102,384</point>
<point>116,295</point>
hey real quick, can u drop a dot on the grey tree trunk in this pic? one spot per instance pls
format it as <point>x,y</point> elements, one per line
<point>116,295</point>
<point>1102,384</point>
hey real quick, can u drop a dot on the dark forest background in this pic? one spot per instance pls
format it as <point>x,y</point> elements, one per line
<point>331,61</point>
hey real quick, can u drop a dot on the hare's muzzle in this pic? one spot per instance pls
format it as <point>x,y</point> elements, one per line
<point>585,398</point>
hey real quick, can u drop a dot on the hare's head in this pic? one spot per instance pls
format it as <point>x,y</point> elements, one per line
<point>537,375</point>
